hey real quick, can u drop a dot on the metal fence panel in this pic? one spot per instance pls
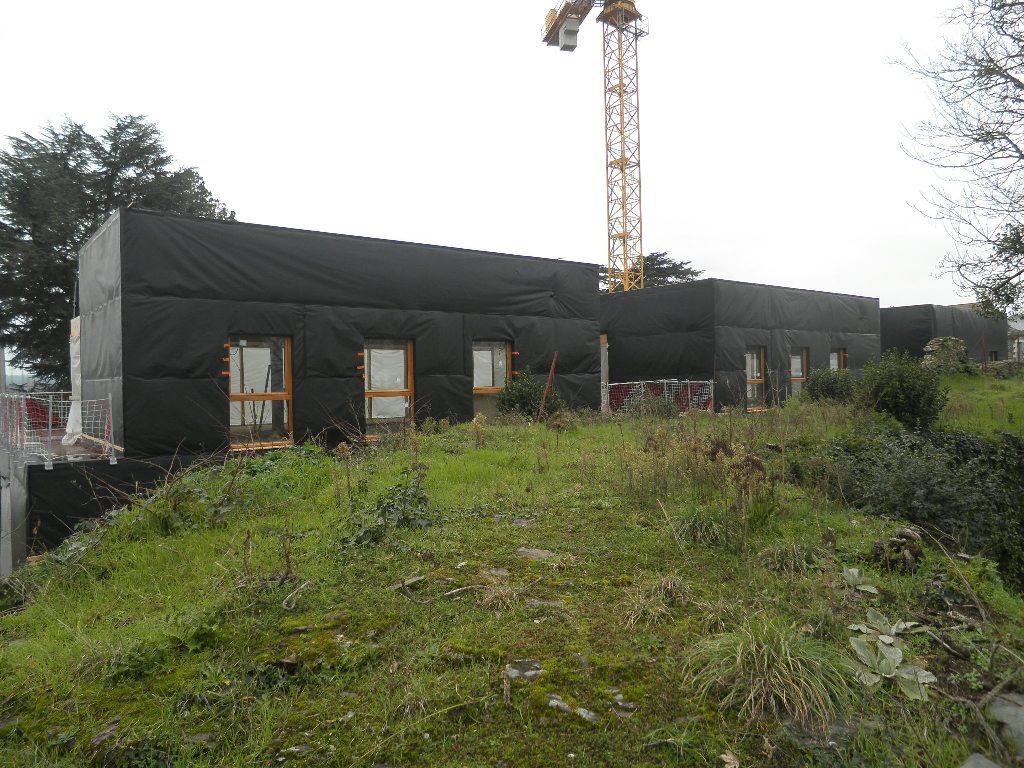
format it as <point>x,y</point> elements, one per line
<point>632,396</point>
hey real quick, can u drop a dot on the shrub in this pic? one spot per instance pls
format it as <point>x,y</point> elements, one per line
<point>766,669</point>
<point>522,395</point>
<point>902,387</point>
<point>957,483</point>
<point>826,384</point>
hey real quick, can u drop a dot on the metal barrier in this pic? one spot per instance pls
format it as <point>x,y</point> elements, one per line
<point>637,396</point>
<point>34,427</point>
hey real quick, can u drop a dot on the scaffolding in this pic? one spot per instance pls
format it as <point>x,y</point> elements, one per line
<point>34,428</point>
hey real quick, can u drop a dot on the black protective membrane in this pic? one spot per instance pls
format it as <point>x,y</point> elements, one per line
<point>701,330</point>
<point>161,295</point>
<point>910,328</point>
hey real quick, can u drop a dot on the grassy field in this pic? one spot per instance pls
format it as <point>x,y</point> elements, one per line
<point>986,404</point>
<point>388,607</point>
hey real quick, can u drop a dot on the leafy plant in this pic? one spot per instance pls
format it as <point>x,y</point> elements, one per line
<point>405,504</point>
<point>523,393</point>
<point>826,384</point>
<point>768,669</point>
<point>857,580</point>
<point>880,661</point>
<point>879,628</point>
<point>902,387</point>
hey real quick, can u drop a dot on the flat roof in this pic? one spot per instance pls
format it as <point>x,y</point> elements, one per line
<point>677,286</point>
<point>318,233</point>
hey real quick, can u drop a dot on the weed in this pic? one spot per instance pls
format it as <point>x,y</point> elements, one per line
<point>404,504</point>
<point>479,429</point>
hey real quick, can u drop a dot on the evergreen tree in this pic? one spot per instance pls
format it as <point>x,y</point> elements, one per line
<point>661,269</point>
<point>55,190</point>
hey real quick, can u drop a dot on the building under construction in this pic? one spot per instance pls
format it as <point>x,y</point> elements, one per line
<point>201,336</point>
<point>756,342</point>
<point>908,329</point>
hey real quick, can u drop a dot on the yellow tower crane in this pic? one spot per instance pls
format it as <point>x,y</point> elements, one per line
<point>623,27</point>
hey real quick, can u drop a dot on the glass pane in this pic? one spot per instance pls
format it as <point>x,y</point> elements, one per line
<point>263,421</point>
<point>755,395</point>
<point>483,367</point>
<point>386,365</point>
<point>387,407</point>
<point>796,387</point>
<point>500,364</point>
<point>833,361</point>
<point>796,365</point>
<point>490,360</point>
<point>753,363</point>
<point>257,365</point>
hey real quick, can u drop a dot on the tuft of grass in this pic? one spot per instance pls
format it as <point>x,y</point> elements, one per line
<point>792,558</point>
<point>765,669</point>
<point>652,603</point>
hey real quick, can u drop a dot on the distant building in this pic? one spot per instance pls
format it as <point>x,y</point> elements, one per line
<point>757,342</point>
<point>909,328</point>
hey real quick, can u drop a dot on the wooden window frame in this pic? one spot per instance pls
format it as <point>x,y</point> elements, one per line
<point>805,353</point>
<point>993,356</point>
<point>261,397</point>
<point>410,378</point>
<point>763,381</point>
<point>843,360</point>
<point>508,366</point>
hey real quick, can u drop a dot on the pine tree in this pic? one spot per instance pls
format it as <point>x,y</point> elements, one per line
<point>660,269</point>
<point>55,190</point>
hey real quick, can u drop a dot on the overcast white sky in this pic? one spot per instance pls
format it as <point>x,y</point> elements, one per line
<point>771,131</point>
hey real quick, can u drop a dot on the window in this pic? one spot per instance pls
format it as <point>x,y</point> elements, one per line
<point>755,378</point>
<point>837,360</point>
<point>260,391</point>
<point>492,360</point>
<point>1020,351</point>
<point>799,363</point>
<point>993,356</point>
<point>388,381</point>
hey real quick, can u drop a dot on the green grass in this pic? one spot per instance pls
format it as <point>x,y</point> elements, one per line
<point>985,404</point>
<point>230,621</point>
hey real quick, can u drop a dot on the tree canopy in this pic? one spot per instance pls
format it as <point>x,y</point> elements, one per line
<point>976,140</point>
<point>56,188</point>
<point>661,269</point>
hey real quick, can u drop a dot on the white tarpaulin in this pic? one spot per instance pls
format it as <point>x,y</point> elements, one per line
<point>74,429</point>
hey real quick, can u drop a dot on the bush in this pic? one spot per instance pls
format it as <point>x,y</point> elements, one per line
<point>766,669</point>
<point>956,483</point>
<point>522,395</point>
<point>826,384</point>
<point>902,387</point>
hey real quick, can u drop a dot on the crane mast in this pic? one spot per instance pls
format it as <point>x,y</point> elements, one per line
<point>623,27</point>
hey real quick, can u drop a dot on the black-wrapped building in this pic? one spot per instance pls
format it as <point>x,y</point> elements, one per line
<point>756,342</point>
<point>210,333</point>
<point>909,329</point>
